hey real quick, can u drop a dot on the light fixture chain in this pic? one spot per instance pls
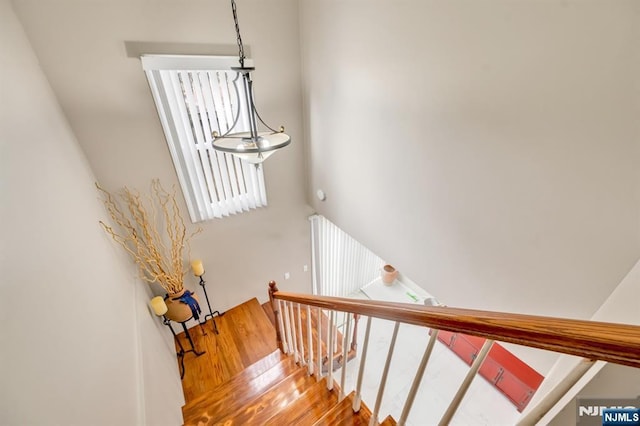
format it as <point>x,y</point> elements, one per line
<point>240,46</point>
<point>252,146</point>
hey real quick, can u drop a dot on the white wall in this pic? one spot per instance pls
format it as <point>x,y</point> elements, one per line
<point>161,387</point>
<point>488,149</point>
<point>622,306</point>
<point>613,381</point>
<point>106,98</point>
<point>69,353</point>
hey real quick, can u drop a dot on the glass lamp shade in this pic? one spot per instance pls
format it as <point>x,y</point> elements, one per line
<point>253,151</point>
<point>158,305</point>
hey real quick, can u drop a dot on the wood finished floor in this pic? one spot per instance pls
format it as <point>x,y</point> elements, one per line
<point>246,336</point>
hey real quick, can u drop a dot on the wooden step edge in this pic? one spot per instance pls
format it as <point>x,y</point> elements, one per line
<point>267,404</point>
<point>234,395</point>
<point>261,366</point>
<point>254,370</point>
<point>364,408</point>
<point>389,421</point>
<point>342,413</point>
<point>308,407</point>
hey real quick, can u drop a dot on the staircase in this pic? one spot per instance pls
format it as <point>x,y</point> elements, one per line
<point>272,390</point>
<point>244,379</point>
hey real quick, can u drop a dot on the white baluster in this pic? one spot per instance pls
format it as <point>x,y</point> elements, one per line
<point>328,336</point>
<point>309,341</point>
<point>330,350</point>
<point>294,338</point>
<point>383,380</point>
<point>301,348</point>
<point>287,324</point>
<point>464,386</point>
<point>358,397</point>
<point>319,327</point>
<point>335,335</point>
<point>285,343</point>
<point>345,354</point>
<point>418,377</point>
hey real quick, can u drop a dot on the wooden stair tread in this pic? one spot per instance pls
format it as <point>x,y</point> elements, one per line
<point>342,414</point>
<point>389,421</point>
<point>235,393</point>
<point>251,372</point>
<point>269,403</point>
<point>246,336</point>
<point>266,306</point>
<point>311,405</point>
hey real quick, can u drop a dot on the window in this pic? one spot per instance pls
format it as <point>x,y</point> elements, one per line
<point>196,95</point>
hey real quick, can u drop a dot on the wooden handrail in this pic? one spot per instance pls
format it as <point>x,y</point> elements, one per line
<point>617,343</point>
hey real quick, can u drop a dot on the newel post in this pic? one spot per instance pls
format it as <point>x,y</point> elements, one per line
<point>276,312</point>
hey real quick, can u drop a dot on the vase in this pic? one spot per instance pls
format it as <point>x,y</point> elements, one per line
<point>389,274</point>
<point>177,310</point>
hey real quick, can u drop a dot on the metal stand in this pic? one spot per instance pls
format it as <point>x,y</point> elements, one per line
<point>210,314</point>
<point>181,353</point>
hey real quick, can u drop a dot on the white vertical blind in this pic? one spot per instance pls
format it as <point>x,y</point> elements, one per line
<point>195,96</point>
<point>341,265</point>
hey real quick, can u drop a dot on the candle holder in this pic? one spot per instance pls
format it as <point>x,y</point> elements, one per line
<point>211,314</point>
<point>182,352</point>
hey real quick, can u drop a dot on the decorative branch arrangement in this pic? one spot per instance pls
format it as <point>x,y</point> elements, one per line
<point>151,229</point>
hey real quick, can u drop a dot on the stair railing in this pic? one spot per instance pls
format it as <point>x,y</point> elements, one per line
<point>592,340</point>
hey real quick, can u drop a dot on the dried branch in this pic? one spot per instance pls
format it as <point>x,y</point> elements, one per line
<point>154,241</point>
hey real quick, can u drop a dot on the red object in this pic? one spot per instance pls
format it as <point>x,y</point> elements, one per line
<point>508,373</point>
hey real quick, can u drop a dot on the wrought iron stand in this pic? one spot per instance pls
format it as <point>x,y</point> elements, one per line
<point>181,353</point>
<point>210,314</point>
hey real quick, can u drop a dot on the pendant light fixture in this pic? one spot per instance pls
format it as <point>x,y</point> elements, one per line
<point>253,146</point>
